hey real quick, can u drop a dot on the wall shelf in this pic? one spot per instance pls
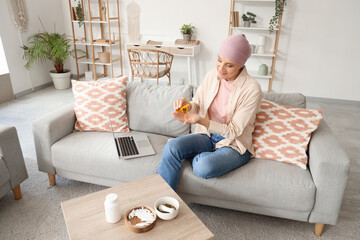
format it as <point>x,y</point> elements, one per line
<point>255,1</point>
<point>235,29</point>
<point>96,21</point>
<point>96,26</point>
<point>90,61</point>
<point>254,74</point>
<point>96,44</point>
<point>263,54</point>
<point>253,28</point>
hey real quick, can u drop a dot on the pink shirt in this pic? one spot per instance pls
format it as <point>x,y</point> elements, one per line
<point>218,108</point>
<point>244,101</point>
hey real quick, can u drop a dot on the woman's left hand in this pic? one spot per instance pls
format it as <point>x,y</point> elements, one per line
<point>187,118</point>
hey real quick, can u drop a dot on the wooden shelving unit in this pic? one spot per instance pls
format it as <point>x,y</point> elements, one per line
<point>94,25</point>
<point>250,30</point>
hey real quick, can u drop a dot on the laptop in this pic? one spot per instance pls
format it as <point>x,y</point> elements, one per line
<point>132,145</point>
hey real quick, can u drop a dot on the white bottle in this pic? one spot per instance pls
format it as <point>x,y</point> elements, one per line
<point>112,208</point>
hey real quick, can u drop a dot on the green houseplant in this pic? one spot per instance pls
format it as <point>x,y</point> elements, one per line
<point>279,9</point>
<point>187,30</point>
<point>80,14</point>
<point>54,47</point>
<point>248,18</point>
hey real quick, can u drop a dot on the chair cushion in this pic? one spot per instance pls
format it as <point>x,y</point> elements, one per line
<point>260,182</point>
<point>97,100</point>
<point>150,107</point>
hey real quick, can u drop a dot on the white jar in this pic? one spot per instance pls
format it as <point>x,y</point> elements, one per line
<point>112,208</point>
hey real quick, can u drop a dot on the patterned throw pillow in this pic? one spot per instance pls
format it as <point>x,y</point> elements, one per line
<point>282,133</point>
<point>95,101</point>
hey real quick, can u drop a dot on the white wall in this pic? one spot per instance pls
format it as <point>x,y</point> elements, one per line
<point>50,12</point>
<point>11,43</point>
<point>322,50</point>
<point>319,42</point>
<point>318,50</point>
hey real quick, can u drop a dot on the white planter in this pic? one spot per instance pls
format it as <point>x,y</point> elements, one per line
<point>61,80</point>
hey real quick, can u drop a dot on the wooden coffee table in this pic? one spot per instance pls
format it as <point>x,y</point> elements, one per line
<point>85,216</point>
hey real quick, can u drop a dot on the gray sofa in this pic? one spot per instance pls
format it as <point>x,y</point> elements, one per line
<point>262,186</point>
<point>12,165</point>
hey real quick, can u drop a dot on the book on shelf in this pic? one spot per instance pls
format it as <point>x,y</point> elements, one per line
<point>235,17</point>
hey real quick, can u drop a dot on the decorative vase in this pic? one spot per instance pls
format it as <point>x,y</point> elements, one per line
<point>246,23</point>
<point>61,80</point>
<point>187,37</point>
<point>263,70</point>
<point>261,44</point>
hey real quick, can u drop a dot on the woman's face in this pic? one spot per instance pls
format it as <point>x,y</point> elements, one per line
<point>227,69</point>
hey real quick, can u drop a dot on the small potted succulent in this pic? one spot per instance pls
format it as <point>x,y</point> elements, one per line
<point>187,30</point>
<point>248,18</point>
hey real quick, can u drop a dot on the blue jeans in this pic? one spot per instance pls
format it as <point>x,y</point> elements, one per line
<point>207,162</point>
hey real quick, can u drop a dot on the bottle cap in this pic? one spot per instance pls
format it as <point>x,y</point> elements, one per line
<point>112,197</point>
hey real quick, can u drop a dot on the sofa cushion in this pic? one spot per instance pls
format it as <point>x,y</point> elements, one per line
<point>282,133</point>
<point>261,183</point>
<point>296,100</point>
<point>97,100</point>
<point>150,107</point>
<point>95,155</point>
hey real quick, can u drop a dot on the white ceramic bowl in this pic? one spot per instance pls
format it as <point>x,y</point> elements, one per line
<point>167,200</point>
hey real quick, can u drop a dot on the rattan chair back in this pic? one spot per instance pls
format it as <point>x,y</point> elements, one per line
<point>148,63</point>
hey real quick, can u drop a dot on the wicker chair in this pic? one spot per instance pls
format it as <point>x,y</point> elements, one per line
<point>146,63</point>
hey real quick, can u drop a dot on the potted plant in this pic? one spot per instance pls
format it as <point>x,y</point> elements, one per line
<point>279,9</point>
<point>248,18</point>
<point>54,47</point>
<point>79,13</point>
<point>187,30</point>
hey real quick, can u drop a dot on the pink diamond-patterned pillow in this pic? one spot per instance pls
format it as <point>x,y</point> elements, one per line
<point>96,101</point>
<point>282,133</point>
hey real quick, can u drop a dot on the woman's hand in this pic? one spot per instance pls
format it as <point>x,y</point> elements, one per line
<point>191,118</point>
<point>186,118</point>
<point>181,102</point>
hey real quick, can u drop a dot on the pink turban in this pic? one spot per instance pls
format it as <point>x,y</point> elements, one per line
<point>236,48</point>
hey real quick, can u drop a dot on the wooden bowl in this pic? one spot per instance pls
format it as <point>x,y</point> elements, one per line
<point>131,223</point>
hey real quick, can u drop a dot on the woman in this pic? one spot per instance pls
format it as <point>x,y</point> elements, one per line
<point>224,108</point>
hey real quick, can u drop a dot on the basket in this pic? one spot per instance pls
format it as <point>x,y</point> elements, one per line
<point>104,57</point>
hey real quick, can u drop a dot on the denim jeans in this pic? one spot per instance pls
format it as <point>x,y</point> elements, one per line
<point>207,162</point>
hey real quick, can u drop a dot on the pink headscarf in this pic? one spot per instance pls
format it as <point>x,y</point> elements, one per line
<point>236,48</point>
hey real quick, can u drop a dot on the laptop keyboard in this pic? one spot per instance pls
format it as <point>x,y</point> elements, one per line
<point>128,146</point>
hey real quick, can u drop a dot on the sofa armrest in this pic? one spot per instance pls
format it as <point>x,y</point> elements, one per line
<point>49,129</point>
<point>329,166</point>
<point>10,152</point>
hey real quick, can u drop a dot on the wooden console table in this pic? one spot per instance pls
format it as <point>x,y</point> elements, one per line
<point>188,51</point>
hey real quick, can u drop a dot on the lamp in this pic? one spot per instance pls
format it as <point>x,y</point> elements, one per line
<point>260,48</point>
